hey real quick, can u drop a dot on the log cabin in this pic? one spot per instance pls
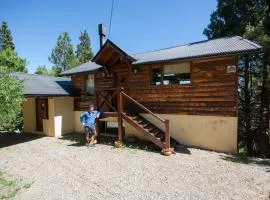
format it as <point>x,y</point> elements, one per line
<point>186,94</point>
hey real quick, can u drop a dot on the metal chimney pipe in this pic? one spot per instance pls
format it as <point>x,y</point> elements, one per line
<point>102,34</point>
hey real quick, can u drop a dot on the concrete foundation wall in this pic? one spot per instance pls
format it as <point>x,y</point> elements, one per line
<point>207,132</point>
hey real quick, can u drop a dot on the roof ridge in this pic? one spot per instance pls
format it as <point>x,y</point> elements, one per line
<point>42,75</point>
<point>190,43</point>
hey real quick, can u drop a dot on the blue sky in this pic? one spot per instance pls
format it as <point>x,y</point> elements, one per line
<point>137,25</point>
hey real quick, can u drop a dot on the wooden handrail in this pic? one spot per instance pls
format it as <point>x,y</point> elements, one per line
<point>144,108</point>
<point>107,89</point>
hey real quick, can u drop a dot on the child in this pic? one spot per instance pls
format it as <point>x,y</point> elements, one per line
<point>88,120</point>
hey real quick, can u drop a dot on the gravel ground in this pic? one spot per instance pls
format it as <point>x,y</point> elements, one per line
<point>60,169</point>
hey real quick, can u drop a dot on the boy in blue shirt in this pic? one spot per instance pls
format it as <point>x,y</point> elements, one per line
<point>88,120</point>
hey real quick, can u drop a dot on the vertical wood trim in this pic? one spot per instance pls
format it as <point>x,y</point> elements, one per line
<point>167,134</point>
<point>119,112</point>
<point>236,85</point>
<point>190,72</point>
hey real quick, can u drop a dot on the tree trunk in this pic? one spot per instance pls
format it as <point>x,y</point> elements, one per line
<point>247,109</point>
<point>265,96</point>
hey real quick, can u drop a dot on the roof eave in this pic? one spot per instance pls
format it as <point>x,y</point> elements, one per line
<point>237,53</point>
<point>82,72</point>
<point>47,95</point>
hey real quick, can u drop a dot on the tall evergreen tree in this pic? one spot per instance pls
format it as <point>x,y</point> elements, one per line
<point>232,16</point>
<point>62,55</point>
<point>84,51</point>
<point>6,40</point>
<point>10,61</point>
<point>248,18</point>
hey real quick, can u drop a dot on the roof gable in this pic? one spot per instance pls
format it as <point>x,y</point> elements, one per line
<point>109,54</point>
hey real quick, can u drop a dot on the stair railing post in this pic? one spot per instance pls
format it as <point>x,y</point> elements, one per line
<point>167,134</point>
<point>97,120</point>
<point>167,151</point>
<point>120,119</point>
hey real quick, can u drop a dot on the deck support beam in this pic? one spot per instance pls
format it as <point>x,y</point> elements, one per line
<point>119,143</point>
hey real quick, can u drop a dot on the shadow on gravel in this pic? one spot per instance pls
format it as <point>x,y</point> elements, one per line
<point>9,139</point>
<point>182,149</point>
<point>76,139</point>
<point>247,160</point>
<point>79,140</point>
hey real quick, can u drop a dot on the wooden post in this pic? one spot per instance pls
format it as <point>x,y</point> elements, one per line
<point>167,134</point>
<point>97,120</point>
<point>120,119</point>
<point>167,151</point>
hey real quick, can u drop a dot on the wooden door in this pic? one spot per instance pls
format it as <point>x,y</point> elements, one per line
<point>41,112</point>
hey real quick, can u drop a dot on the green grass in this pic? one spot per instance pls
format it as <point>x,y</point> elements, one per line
<point>9,188</point>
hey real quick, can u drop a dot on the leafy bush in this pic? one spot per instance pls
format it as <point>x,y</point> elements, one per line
<point>11,98</point>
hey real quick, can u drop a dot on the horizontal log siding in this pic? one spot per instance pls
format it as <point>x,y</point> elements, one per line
<point>79,84</point>
<point>82,103</point>
<point>212,90</point>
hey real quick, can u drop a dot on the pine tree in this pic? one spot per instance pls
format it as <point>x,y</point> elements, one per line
<point>84,52</point>
<point>6,40</point>
<point>62,55</point>
<point>231,17</point>
<point>248,18</point>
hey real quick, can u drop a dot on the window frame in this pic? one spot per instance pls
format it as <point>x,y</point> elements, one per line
<point>86,85</point>
<point>161,67</point>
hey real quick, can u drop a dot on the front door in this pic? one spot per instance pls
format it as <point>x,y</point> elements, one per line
<point>41,112</point>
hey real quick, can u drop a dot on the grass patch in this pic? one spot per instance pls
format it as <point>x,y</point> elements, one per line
<point>9,188</point>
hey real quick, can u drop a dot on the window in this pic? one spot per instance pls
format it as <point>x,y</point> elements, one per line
<point>157,76</point>
<point>172,74</point>
<point>90,85</point>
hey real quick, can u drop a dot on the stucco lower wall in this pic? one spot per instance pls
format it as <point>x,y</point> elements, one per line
<point>207,132</point>
<point>63,115</point>
<point>78,128</point>
<point>29,115</point>
<point>60,116</point>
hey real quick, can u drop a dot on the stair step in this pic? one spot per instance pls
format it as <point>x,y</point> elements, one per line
<point>136,118</point>
<point>147,126</point>
<point>152,130</point>
<point>160,135</point>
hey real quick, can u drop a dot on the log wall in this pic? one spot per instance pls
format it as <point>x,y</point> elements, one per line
<point>213,91</point>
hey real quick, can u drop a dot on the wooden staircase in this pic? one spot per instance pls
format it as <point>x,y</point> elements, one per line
<point>153,133</point>
<point>156,135</point>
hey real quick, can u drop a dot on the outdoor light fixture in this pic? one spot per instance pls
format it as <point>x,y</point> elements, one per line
<point>135,70</point>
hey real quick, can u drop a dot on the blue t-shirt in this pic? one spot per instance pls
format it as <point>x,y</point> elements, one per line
<point>89,118</point>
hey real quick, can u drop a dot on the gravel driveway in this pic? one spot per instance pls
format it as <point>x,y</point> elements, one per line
<point>59,169</point>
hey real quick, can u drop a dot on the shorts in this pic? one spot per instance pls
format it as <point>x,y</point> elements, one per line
<point>90,130</point>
